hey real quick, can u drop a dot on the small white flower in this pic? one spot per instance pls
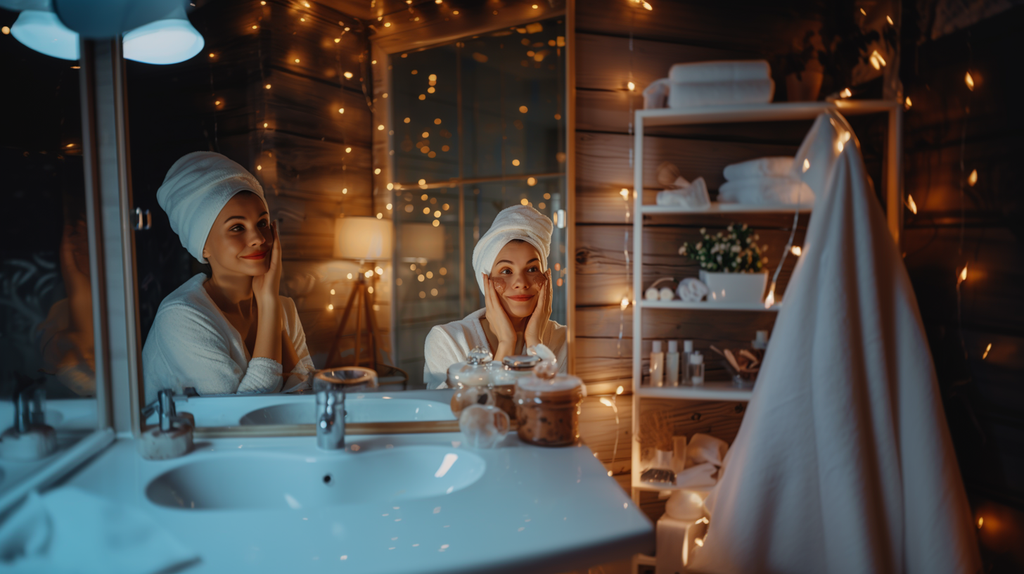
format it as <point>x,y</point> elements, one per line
<point>703,230</point>
<point>735,249</point>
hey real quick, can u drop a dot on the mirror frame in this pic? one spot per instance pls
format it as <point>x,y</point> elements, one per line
<point>381,143</point>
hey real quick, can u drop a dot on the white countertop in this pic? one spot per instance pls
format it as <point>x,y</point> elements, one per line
<point>534,510</point>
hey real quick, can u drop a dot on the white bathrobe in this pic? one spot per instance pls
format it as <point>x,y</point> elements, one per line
<point>192,344</point>
<point>451,343</point>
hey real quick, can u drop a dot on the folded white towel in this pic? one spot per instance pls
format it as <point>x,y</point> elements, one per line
<point>720,71</point>
<point>656,94</point>
<point>766,190</point>
<point>691,95</point>
<point>71,530</point>
<point>760,167</point>
<point>690,195</point>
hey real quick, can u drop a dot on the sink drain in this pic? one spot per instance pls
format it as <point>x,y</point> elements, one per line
<point>327,479</point>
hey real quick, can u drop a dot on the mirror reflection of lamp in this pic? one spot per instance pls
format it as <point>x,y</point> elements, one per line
<point>366,240</point>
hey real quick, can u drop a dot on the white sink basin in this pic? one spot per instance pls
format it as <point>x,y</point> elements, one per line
<point>267,480</point>
<point>362,410</point>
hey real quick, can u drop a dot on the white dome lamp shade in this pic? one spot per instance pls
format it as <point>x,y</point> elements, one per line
<point>166,41</point>
<point>45,33</point>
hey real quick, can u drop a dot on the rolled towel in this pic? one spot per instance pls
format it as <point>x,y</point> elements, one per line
<point>766,190</point>
<point>656,94</point>
<point>720,71</point>
<point>760,167</point>
<point>691,95</point>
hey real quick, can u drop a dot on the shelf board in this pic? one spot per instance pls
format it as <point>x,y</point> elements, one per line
<point>785,111</point>
<point>709,391</point>
<point>717,207</point>
<point>645,560</point>
<point>653,488</point>
<point>708,306</point>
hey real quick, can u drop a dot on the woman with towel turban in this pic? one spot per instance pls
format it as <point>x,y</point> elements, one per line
<point>231,332</point>
<point>510,262</point>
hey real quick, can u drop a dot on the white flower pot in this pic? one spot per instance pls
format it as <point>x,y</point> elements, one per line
<point>735,287</point>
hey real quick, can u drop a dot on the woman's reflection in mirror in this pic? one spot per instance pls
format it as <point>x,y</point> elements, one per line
<point>510,262</point>
<point>230,332</point>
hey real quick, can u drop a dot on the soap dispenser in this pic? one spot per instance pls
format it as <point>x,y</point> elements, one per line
<point>672,364</point>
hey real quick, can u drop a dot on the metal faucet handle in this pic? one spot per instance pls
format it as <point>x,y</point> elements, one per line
<point>29,406</point>
<point>167,413</point>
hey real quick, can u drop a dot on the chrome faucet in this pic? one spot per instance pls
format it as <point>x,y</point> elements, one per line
<point>330,386</point>
<point>166,412</point>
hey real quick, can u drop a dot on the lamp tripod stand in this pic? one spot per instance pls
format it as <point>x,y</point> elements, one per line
<point>360,301</point>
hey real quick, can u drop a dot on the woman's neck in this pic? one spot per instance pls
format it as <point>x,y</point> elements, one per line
<point>232,293</point>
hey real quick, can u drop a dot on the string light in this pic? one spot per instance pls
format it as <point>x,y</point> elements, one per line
<point>981,522</point>
<point>962,276</point>
<point>631,86</point>
<point>846,93</point>
<point>625,194</point>
<point>889,20</point>
<point>770,299</point>
<point>330,306</point>
<point>806,166</point>
<point>907,103</point>
<point>969,80</point>
<point>973,178</point>
<point>911,204</point>
<point>876,59</point>
<point>796,250</point>
<point>985,354</point>
<point>624,303</point>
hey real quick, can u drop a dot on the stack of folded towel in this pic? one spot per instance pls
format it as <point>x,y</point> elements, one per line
<point>766,180</point>
<point>723,83</point>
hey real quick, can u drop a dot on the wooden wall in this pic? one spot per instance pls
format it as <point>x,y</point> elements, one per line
<point>673,32</point>
<point>983,390</point>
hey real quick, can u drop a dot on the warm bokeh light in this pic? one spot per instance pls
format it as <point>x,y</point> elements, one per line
<point>796,250</point>
<point>845,93</point>
<point>969,80</point>
<point>631,86</point>
<point>907,103</point>
<point>985,354</point>
<point>911,204</point>
<point>973,178</point>
<point>624,303</point>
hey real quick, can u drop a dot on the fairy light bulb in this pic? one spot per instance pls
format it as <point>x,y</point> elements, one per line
<point>973,178</point>
<point>624,303</point>
<point>911,204</point>
<point>806,166</point>
<point>969,80</point>
<point>625,194</point>
<point>907,103</point>
<point>985,354</point>
<point>631,86</point>
<point>963,276</point>
<point>796,250</point>
<point>619,390</point>
<point>845,93</point>
<point>770,299</point>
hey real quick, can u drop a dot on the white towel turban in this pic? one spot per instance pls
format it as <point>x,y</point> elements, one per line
<point>517,222</point>
<point>196,188</point>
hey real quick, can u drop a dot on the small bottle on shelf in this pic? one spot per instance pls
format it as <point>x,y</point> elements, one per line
<point>696,369</point>
<point>657,365</point>
<point>760,341</point>
<point>672,364</point>
<point>687,351</point>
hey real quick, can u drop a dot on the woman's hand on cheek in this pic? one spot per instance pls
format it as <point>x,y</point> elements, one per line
<point>541,313</point>
<point>498,320</point>
<point>266,287</point>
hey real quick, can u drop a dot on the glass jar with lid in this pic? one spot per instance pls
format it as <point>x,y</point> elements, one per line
<point>513,368</point>
<point>471,380</point>
<point>548,409</point>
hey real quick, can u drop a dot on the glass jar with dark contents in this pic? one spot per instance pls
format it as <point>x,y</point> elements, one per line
<point>503,380</point>
<point>548,410</point>
<point>471,380</point>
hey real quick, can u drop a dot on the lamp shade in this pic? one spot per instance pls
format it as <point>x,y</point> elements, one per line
<point>45,33</point>
<point>421,241</point>
<point>166,41</point>
<point>362,238</point>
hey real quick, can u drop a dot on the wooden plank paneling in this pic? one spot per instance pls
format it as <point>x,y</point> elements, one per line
<point>603,62</point>
<point>747,26</point>
<point>603,322</point>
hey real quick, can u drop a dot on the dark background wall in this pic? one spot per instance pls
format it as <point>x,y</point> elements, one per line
<point>981,226</point>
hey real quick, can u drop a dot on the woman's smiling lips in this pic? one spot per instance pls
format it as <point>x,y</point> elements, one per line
<point>256,256</point>
<point>520,297</point>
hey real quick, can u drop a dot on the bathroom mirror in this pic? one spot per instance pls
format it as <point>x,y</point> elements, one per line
<point>386,137</point>
<point>47,351</point>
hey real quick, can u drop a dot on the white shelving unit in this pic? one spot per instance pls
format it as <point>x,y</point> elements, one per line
<point>725,390</point>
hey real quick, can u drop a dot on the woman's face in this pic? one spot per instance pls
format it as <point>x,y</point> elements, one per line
<point>517,278</point>
<point>240,240</point>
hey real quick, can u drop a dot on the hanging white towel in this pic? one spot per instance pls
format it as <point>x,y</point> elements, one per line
<point>692,95</point>
<point>760,167</point>
<point>843,462</point>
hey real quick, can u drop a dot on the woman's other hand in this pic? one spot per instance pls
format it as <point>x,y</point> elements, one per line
<point>541,313</point>
<point>267,287</point>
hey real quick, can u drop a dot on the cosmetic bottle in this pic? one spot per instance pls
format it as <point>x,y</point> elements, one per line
<point>696,368</point>
<point>684,378</point>
<point>657,365</point>
<point>672,364</point>
<point>760,341</point>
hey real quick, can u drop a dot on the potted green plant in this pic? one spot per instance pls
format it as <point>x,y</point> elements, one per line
<point>732,264</point>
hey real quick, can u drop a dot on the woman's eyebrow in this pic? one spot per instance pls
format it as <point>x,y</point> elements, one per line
<point>243,217</point>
